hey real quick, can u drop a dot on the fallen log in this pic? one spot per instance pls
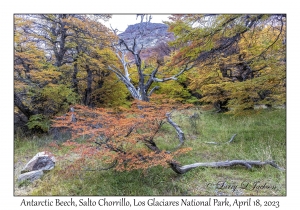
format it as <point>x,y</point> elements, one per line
<point>228,163</point>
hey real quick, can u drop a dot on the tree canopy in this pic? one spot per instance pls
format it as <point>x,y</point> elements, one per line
<point>62,60</point>
<point>239,60</point>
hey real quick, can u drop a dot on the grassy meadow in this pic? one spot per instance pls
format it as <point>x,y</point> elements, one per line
<point>260,136</point>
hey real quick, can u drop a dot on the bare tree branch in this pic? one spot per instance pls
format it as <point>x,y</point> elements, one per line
<point>231,139</point>
<point>152,90</point>
<point>186,68</point>
<point>180,133</point>
<point>151,79</point>
<point>247,163</point>
<point>234,135</point>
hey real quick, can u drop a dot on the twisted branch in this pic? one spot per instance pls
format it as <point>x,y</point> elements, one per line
<point>247,163</point>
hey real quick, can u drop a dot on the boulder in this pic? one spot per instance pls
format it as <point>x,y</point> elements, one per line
<point>31,176</point>
<point>41,161</point>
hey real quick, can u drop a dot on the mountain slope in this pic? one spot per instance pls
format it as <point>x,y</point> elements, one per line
<point>150,38</point>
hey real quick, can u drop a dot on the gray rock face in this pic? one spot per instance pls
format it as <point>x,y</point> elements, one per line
<point>41,161</point>
<point>31,176</point>
<point>150,39</point>
<point>34,169</point>
<point>147,34</point>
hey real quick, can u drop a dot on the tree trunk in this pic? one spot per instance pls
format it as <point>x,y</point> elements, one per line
<point>74,78</point>
<point>247,163</point>
<point>88,90</point>
<point>22,107</point>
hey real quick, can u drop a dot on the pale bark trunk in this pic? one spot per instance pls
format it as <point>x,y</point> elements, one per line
<point>247,163</point>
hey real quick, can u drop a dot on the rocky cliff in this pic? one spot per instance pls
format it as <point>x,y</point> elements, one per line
<point>152,38</point>
<point>148,34</point>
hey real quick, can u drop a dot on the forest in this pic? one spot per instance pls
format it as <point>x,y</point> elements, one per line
<point>198,99</point>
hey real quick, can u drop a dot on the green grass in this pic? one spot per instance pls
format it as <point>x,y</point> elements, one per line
<point>260,136</point>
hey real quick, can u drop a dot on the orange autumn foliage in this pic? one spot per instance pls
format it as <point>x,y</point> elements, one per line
<point>125,137</point>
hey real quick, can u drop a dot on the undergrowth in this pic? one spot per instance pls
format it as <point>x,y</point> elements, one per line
<point>260,136</point>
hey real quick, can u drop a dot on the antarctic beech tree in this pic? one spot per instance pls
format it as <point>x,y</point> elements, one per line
<point>31,70</point>
<point>74,45</point>
<point>127,139</point>
<point>146,77</point>
<point>239,59</point>
<point>61,59</point>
